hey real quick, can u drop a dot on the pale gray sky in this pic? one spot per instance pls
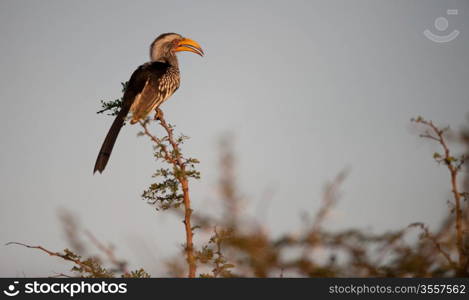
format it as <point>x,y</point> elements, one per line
<point>306,87</point>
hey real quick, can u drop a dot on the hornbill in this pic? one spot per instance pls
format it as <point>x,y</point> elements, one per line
<point>149,86</point>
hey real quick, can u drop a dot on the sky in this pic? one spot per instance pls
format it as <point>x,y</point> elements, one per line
<point>306,89</point>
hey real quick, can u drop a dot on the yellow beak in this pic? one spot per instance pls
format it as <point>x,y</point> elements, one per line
<point>189,45</point>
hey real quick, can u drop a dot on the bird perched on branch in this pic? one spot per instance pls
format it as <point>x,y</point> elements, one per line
<point>149,86</point>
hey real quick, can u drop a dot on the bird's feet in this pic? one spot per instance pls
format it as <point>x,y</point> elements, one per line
<point>158,114</point>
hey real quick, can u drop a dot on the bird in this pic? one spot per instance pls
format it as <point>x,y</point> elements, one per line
<point>148,87</point>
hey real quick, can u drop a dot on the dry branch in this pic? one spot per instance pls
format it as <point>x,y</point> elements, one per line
<point>174,157</point>
<point>64,256</point>
<point>454,166</point>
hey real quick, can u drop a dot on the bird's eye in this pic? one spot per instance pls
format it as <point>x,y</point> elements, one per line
<point>171,44</point>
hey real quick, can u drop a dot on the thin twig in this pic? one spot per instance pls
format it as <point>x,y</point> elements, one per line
<point>121,265</point>
<point>57,254</point>
<point>61,275</point>
<point>435,242</point>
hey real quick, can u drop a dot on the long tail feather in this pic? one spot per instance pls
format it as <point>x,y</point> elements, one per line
<point>109,141</point>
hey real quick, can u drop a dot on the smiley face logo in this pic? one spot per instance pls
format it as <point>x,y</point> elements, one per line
<point>10,291</point>
<point>441,24</point>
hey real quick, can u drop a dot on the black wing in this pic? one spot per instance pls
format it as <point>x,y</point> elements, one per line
<point>134,88</point>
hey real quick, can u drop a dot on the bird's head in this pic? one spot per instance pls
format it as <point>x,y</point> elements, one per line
<point>166,45</point>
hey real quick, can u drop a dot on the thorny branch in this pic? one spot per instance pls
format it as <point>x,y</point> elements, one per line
<point>174,157</point>
<point>454,165</point>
